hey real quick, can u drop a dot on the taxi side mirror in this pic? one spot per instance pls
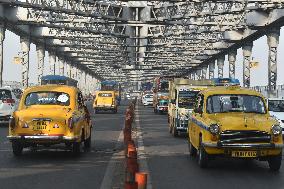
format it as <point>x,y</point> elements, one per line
<point>198,111</point>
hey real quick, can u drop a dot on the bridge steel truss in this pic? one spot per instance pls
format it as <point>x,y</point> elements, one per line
<point>134,41</point>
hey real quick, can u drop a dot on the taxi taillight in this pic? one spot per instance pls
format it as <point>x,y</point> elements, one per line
<point>9,101</point>
<point>70,123</point>
<point>12,122</point>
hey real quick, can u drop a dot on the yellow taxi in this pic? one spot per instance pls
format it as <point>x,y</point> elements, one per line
<point>50,114</point>
<point>234,122</point>
<point>105,101</point>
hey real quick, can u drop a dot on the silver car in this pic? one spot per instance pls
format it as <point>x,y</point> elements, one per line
<point>8,104</point>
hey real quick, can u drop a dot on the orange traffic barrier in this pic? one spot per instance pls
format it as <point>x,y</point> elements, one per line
<point>130,147</point>
<point>132,154</point>
<point>131,169</point>
<point>141,179</point>
<point>130,185</point>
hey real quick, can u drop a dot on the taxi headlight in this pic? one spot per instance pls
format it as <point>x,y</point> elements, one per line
<point>276,130</point>
<point>214,129</point>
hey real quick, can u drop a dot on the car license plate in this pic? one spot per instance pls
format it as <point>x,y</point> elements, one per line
<point>40,125</point>
<point>244,153</point>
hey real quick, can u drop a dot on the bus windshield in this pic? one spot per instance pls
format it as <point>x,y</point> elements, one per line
<point>186,99</point>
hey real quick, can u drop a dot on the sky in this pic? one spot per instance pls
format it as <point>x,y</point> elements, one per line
<point>259,75</point>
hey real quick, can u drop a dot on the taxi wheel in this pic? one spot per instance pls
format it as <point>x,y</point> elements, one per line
<point>170,128</point>
<point>202,156</point>
<point>174,132</point>
<point>17,148</point>
<point>275,162</point>
<point>191,149</point>
<point>76,148</point>
<point>88,141</point>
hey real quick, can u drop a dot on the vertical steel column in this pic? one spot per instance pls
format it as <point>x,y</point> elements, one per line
<point>198,73</point>
<point>52,59</point>
<point>204,72</point>
<point>246,64</point>
<point>40,51</point>
<point>2,37</point>
<point>272,41</point>
<point>25,47</point>
<point>61,66</point>
<point>68,70</point>
<point>79,76</point>
<point>220,64</point>
<point>232,63</point>
<point>211,70</point>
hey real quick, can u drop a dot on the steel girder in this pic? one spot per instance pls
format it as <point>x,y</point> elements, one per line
<point>181,35</point>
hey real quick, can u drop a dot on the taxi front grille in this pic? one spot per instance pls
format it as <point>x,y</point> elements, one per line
<point>252,136</point>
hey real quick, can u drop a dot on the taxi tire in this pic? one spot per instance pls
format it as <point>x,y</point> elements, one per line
<point>170,128</point>
<point>88,141</point>
<point>274,162</point>
<point>76,148</point>
<point>202,156</point>
<point>174,132</point>
<point>191,149</point>
<point>17,148</point>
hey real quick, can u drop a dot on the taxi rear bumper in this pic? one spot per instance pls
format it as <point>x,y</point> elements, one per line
<point>243,145</point>
<point>43,138</point>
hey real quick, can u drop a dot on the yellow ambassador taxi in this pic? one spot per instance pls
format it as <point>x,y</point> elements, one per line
<point>234,122</point>
<point>50,114</point>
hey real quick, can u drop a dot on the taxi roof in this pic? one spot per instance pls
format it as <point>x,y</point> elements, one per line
<point>61,88</point>
<point>229,90</point>
<point>105,91</point>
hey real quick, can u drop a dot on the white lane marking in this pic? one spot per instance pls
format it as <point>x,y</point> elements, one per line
<point>142,156</point>
<point>108,177</point>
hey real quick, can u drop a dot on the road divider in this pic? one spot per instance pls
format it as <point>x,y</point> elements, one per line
<point>133,178</point>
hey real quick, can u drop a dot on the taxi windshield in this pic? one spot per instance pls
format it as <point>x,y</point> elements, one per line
<point>187,99</point>
<point>47,98</point>
<point>235,103</point>
<point>276,105</point>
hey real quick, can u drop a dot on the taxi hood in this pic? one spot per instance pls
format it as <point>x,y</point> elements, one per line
<point>242,121</point>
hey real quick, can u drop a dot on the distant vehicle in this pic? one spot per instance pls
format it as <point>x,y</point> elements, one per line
<point>134,94</point>
<point>147,99</point>
<point>105,101</point>
<point>48,115</point>
<point>18,92</point>
<point>183,93</point>
<point>58,80</point>
<point>160,91</point>
<point>276,109</point>
<point>162,106</point>
<point>8,104</point>
<point>146,86</point>
<point>112,86</point>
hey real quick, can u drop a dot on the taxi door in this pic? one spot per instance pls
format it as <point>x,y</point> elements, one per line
<point>81,115</point>
<point>195,125</point>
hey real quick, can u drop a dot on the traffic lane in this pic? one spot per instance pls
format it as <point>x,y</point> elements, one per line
<point>171,167</point>
<point>56,167</point>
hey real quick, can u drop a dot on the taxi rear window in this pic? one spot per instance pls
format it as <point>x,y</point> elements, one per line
<point>47,98</point>
<point>105,95</point>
